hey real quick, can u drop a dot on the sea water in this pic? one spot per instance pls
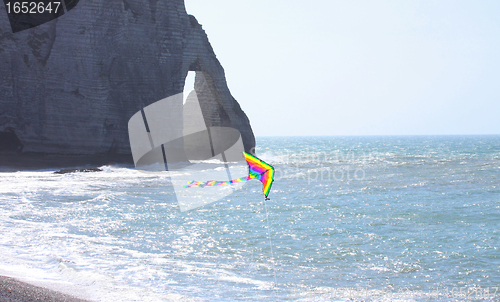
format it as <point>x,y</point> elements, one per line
<point>410,218</point>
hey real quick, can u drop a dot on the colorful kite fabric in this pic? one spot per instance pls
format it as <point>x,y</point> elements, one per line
<point>256,169</point>
<point>260,170</point>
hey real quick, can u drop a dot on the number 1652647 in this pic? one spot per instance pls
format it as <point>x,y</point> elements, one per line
<point>32,7</point>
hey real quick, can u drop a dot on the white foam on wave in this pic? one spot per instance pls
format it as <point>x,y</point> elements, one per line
<point>75,233</point>
<point>42,278</point>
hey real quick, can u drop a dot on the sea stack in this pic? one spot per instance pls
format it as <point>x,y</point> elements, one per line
<point>68,87</point>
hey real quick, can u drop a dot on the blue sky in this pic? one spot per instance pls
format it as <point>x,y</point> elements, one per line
<point>359,67</point>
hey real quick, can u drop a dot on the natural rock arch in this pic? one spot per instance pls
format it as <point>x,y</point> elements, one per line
<point>69,86</point>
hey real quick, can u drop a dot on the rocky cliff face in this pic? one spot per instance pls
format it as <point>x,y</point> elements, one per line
<point>69,86</point>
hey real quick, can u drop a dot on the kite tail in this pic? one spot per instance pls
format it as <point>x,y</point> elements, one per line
<point>212,183</point>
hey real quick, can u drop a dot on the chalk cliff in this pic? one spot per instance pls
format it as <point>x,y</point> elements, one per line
<point>69,86</point>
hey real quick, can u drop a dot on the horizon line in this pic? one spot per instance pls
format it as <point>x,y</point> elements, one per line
<point>373,135</point>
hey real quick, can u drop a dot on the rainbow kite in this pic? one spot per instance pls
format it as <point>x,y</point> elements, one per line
<point>260,170</point>
<point>256,169</point>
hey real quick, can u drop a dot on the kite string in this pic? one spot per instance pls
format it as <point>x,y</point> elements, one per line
<point>271,246</point>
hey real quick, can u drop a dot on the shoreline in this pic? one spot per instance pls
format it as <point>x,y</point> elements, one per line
<point>14,290</point>
<point>40,161</point>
